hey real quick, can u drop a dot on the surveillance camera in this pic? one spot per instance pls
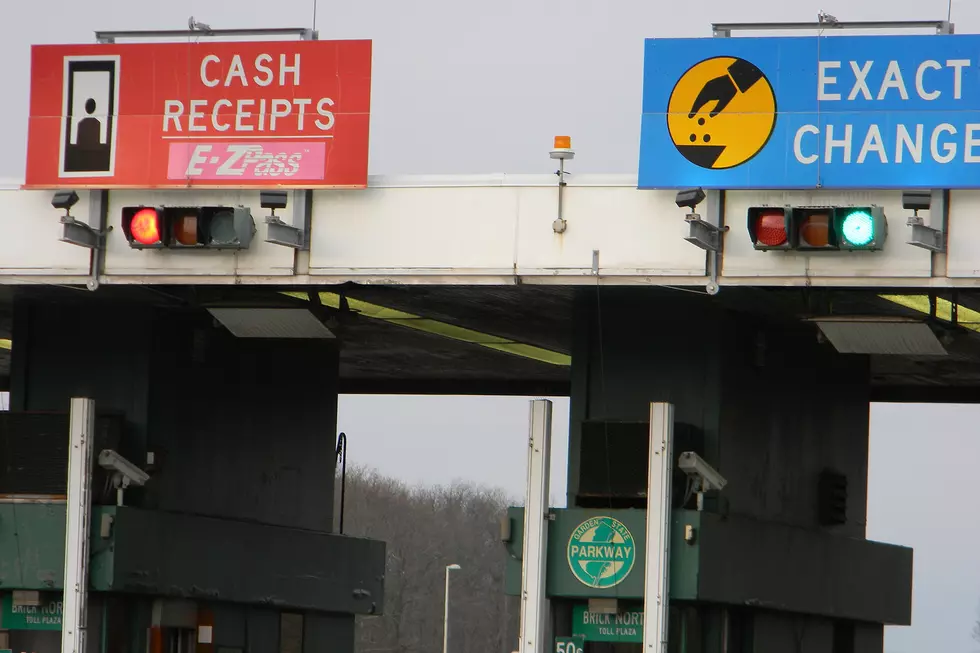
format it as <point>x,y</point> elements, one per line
<point>695,467</point>
<point>131,474</point>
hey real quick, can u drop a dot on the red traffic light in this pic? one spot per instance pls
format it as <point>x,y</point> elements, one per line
<point>769,227</point>
<point>143,226</point>
<point>197,227</point>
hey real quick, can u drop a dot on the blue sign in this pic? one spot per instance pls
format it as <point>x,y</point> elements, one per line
<point>870,112</point>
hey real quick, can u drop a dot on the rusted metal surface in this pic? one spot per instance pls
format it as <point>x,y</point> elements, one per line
<point>33,498</point>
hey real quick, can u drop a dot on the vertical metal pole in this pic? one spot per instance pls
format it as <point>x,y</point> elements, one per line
<point>81,434</point>
<point>445,615</point>
<point>342,449</point>
<point>656,584</point>
<point>533,596</point>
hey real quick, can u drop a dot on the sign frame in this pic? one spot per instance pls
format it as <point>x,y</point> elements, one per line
<point>255,114</point>
<point>936,136</point>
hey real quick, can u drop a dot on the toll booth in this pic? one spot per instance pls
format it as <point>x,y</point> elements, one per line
<point>164,578</point>
<point>731,581</point>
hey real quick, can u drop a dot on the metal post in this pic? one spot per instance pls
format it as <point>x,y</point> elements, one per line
<point>534,601</point>
<point>445,614</point>
<point>79,504</point>
<point>342,450</point>
<point>656,583</point>
<point>726,29</point>
<point>110,36</point>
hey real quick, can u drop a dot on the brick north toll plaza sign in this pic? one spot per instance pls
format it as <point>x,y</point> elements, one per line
<point>205,115</point>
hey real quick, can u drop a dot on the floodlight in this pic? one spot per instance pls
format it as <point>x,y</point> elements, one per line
<point>64,199</point>
<point>273,199</point>
<point>690,198</point>
<point>917,200</point>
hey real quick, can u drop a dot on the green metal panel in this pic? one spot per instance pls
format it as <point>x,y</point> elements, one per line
<point>734,560</point>
<point>515,550</point>
<point>102,552</point>
<point>32,547</point>
<point>562,582</point>
<point>613,565</point>
<point>685,557</point>
<point>171,554</point>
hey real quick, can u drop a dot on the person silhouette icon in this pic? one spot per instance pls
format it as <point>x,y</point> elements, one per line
<point>90,128</point>
<point>90,148</point>
<point>90,151</point>
<point>90,97</point>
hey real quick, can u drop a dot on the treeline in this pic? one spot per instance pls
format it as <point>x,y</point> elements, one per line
<point>427,529</point>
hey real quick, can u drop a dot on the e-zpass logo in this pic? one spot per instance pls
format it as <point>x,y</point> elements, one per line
<point>241,160</point>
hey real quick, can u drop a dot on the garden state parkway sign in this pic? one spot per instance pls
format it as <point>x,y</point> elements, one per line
<point>601,552</point>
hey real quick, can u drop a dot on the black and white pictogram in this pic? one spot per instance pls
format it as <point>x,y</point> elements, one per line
<point>90,106</point>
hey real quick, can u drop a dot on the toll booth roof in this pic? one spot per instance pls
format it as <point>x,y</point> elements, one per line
<point>519,339</point>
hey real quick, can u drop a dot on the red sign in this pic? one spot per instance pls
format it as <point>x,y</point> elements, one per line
<point>206,115</point>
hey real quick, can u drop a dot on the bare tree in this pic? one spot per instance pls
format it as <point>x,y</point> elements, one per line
<point>427,528</point>
<point>976,629</point>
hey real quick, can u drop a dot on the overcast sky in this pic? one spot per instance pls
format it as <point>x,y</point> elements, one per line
<point>482,87</point>
<point>923,464</point>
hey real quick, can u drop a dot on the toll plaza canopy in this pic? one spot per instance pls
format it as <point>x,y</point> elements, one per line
<point>424,301</point>
<point>815,179</point>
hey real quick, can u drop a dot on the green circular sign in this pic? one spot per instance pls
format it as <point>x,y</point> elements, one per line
<point>601,552</point>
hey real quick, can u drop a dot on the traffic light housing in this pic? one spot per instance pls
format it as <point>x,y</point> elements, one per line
<point>817,228</point>
<point>861,227</point>
<point>770,227</point>
<point>188,227</point>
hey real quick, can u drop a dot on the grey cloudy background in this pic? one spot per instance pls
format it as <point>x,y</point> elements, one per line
<point>462,87</point>
<point>923,467</point>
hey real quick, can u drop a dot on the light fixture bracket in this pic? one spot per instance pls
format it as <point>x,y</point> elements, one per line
<point>704,234</point>
<point>81,234</point>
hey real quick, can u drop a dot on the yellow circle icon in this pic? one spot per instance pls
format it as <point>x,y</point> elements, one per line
<point>721,112</point>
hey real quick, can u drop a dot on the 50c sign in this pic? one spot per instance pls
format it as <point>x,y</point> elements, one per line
<point>574,644</point>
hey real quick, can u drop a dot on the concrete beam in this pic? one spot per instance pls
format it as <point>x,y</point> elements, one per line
<point>489,387</point>
<point>935,394</point>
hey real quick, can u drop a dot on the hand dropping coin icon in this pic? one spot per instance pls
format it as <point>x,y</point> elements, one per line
<point>721,113</point>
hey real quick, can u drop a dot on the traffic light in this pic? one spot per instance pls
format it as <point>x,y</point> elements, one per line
<point>188,227</point>
<point>770,227</point>
<point>861,227</point>
<point>817,228</point>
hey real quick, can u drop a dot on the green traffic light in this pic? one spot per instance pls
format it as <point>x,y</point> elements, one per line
<point>858,228</point>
